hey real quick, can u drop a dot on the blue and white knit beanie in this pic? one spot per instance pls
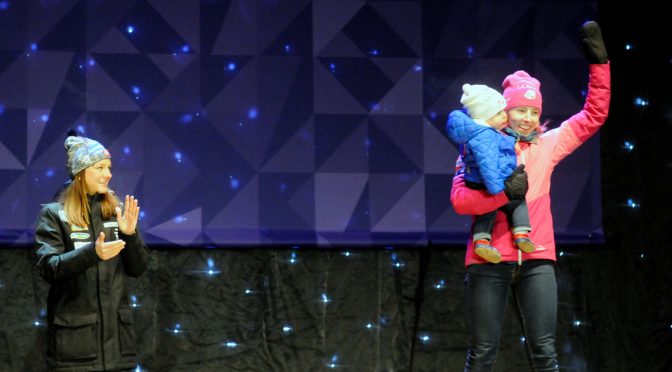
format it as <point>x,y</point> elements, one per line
<point>82,153</point>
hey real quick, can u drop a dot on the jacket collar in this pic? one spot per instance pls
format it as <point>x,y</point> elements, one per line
<point>531,138</point>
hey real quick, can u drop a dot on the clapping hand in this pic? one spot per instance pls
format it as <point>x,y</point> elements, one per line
<point>129,220</point>
<point>110,249</point>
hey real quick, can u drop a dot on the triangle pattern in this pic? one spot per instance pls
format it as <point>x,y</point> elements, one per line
<point>35,124</point>
<point>15,75</point>
<point>374,36</point>
<point>182,94</point>
<point>212,17</point>
<point>440,153</point>
<point>341,46</point>
<point>114,98</point>
<point>303,202</point>
<point>15,193</point>
<point>297,103</point>
<point>149,32</point>
<point>114,42</point>
<point>232,218</point>
<point>361,77</point>
<point>172,64</point>
<point>398,101</point>
<point>183,18</point>
<point>137,75</point>
<point>67,107</point>
<point>277,19</point>
<point>108,126</point>
<point>48,71</point>
<point>181,230</point>
<point>237,94</point>
<point>516,38</point>
<point>330,96</point>
<point>407,214</point>
<point>333,131</point>
<point>360,219</point>
<point>403,17</point>
<point>218,71</point>
<point>13,136</point>
<point>336,197</point>
<point>296,39</point>
<point>283,198</point>
<point>351,155</point>
<point>394,68</point>
<point>572,74</point>
<point>444,73</point>
<point>329,18</point>
<point>69,33</point>
<point>437,196</point>
<point>8,160</point>
<point>176,177</point>
<point>7,58</point>
<point>406,132</point>
<point>386,156</point>
<point>386,190</point>
<point>244,135</point>
<point>297,155</point>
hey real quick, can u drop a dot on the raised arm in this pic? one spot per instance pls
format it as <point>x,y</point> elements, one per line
<point>581,126</point>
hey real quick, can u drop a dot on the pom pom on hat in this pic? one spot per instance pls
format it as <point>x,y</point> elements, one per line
<point>481,101</point>
<point>82,153</point>
<point>521,89</point>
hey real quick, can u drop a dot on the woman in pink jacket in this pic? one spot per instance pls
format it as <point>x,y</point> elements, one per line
<point>530,276</point>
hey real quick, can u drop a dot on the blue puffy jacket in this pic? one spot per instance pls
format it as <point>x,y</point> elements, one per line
<point>488,154</point>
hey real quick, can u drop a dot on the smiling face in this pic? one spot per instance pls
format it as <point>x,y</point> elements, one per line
<point>97,177</point>
<point>524,119</point>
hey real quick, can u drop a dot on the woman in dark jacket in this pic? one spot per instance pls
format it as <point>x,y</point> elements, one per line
<point>85,248</point>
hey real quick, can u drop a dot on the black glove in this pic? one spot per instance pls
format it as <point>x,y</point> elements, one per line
<point>515,186</point>
<point>593,44</point>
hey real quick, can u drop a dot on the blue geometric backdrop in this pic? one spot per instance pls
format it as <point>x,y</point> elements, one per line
<point>277,122</point>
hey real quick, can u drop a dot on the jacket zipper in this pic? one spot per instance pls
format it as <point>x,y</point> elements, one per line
<point>522,158</point>
<point>100,304</point>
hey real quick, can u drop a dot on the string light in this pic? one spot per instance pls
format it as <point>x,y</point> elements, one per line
<point>639,101</point>
<point>333,362</point>
<point>134,302</point>
<point>292,258</point>
<point>177,329</point>
<point>632,203</point>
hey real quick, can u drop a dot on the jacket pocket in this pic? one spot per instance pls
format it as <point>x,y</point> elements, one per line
<point>75,336</point>
<point>126,332</point>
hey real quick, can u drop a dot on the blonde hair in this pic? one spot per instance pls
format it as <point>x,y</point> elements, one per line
<point>76,204</point>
